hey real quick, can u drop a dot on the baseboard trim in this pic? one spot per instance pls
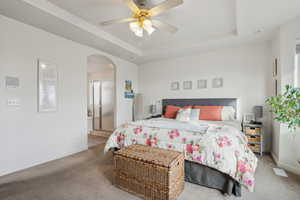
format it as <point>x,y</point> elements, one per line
<point>275,158</point>
<point>102,133</point>
<point>17,170</point>
<point>293,169</point>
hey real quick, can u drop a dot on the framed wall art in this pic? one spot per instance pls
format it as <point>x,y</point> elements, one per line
<point>175,86</point>
<point>187,85</point>
<point>47,87</point>
<point>217,82</point>
<point>202,84</point>
<point>129,94</point>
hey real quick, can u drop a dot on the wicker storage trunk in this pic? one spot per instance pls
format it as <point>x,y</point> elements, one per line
<point>149,172</point>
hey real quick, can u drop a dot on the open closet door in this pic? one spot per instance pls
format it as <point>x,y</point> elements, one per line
<point>96,105</point>
<point>107,105</point>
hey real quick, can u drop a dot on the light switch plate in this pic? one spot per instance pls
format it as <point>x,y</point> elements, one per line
<point>13,102</point>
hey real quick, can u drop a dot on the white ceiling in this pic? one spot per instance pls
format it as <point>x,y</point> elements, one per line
<point>203,24</point>
<point>197,20</point>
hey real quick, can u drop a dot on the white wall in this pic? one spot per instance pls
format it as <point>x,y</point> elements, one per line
<point>288,146</point>
<point>246,72</point>
<point>275,51</point>
<point>29,138</point>
<point>104,76</point>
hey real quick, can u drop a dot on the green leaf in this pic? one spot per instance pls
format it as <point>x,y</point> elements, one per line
<point>286,107</point>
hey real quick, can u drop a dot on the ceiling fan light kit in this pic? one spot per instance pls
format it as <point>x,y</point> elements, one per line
<point>141,25</point>
<point>141,19</point>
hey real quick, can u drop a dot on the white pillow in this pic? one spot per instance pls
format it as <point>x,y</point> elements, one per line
<point>228,113</point>
<point>195,114</point>
<point>183,114</point>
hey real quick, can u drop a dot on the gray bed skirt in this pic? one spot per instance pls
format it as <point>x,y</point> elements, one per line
<point>205,176</point>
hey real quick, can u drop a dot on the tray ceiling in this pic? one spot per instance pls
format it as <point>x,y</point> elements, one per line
<point>203,24</point>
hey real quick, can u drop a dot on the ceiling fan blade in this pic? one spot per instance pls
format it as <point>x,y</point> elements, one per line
<point>114,21</point>
<point>132,6</point>
<point>166,5</point>
<point>164,26</point>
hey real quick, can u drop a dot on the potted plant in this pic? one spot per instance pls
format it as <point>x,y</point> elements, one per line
<point>286,107</point>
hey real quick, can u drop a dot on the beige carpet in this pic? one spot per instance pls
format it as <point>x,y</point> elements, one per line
<point>88,176</point>
<point>94,140</point>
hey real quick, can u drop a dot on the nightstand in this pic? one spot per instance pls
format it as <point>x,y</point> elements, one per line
<point>254,134</point>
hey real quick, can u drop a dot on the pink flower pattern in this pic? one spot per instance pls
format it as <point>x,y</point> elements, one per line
<point>242,167</point>
<point>138,130</point>
<point>120,139</point>
<point>151,141</point>
<point>249,182</point>
<point>195,149</point>
<point>224,141</point>
<point>198,158</point>
<point>174,133</point>
<point>217,156</point>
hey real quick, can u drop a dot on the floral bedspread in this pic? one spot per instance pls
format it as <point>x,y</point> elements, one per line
<point>218,146</point>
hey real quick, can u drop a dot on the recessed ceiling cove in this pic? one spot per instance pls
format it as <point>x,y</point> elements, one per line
<point>196,20</point>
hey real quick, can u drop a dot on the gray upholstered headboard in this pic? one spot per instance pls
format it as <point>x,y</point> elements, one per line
<point>201,102</point>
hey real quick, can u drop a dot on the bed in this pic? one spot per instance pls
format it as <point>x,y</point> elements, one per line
<point>216,153</point>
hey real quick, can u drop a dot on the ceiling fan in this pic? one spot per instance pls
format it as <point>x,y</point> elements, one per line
<point>142,17</point>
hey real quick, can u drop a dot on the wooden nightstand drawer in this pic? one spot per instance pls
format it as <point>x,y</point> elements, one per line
<point>253,138</point>
<point>254,147</point>
<point>253,130</point>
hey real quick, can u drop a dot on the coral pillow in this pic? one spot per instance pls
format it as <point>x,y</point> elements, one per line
<point>171,111</point>
<point>211,113</point>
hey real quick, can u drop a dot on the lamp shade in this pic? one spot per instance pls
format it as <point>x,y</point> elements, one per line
<point>258,111</point>
<point>153,109</point>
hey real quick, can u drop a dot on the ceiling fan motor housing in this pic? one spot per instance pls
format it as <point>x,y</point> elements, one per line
<point>142,4</point>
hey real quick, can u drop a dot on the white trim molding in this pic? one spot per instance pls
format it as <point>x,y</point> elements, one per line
<point>290,168</point>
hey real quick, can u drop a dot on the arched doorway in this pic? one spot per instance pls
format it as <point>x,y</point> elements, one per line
<point>101,95</point>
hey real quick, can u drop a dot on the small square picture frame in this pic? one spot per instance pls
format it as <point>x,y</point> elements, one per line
<point>217,83</point>
<point>187,85</point>
<point>175,86</point>
<point>202,84</point>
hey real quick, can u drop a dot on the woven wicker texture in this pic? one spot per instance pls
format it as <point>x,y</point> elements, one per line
<point>148,154</point>
<point>149,172</point>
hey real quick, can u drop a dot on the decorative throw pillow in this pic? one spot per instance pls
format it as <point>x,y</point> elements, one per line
<point>210,113</point>
<point>184,114</point>
<point>171,111</point>
<point>228,113</point>
<point>195,113</point>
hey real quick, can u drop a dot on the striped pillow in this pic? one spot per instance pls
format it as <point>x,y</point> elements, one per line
<point>184,114</point>
<point>195,113</point>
